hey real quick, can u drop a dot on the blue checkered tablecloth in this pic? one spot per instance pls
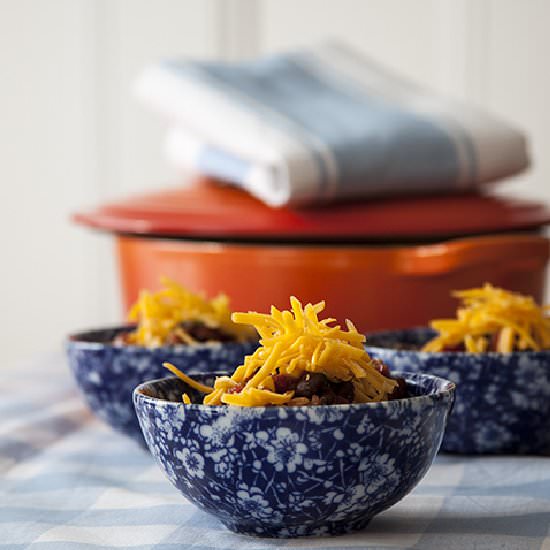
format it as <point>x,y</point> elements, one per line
<point>68,482</point>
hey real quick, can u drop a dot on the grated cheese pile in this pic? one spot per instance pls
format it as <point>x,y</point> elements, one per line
<point>491,318</point>
<point>293,342</point>
<point>159,314</point>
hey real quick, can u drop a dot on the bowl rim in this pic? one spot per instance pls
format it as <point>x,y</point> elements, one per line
<point>446,392</point>
<point>75,339</point>
<point>444,354</point>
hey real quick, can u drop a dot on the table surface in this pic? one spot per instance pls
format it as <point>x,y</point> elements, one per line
<point>69,482</point>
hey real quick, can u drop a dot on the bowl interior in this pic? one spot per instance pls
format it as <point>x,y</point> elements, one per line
<point>403,340</point>
<point>103,337</point>
<point>100,335</point>
<point>410,341</point>
<point>169,390</point>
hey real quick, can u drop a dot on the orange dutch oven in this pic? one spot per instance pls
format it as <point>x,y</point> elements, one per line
<point>384,264</point>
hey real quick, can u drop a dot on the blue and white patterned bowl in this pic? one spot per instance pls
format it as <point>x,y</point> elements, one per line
<point>502,399</point>
<point>107,374</point>
<point>294,471</point>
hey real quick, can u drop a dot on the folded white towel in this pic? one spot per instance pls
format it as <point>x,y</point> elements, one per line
<point>323,124</point>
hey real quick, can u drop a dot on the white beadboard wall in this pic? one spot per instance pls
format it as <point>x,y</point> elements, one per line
<point>72,135</point>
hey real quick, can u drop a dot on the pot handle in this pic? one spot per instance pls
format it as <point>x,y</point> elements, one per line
<point>523,251</point>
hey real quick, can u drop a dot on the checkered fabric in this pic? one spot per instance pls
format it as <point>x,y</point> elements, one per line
<point>68,482</point>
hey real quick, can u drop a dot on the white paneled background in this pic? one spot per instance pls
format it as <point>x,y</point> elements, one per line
<point>72,135</point>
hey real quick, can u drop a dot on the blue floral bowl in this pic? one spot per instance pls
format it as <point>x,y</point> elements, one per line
<point>502,399</point>
<point>294,471</point>
<point>107,374</point>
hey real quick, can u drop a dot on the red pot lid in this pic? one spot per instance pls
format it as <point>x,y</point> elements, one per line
<point>208,211</point>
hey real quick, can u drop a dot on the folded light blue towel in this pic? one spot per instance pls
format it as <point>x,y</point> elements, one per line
<point>323,124</point>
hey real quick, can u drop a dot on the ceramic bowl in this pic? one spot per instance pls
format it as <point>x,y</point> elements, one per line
<point>107,374</point>
<point>294,471</point>
<point>502,399</point>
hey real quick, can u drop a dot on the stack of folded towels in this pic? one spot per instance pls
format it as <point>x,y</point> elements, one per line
<point>325,124</point>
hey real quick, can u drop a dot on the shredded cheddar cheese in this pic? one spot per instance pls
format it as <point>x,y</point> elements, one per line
<point>493,318</point>
<point>159,314</point>
<point>294,342</point>
<point>188,380</point>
